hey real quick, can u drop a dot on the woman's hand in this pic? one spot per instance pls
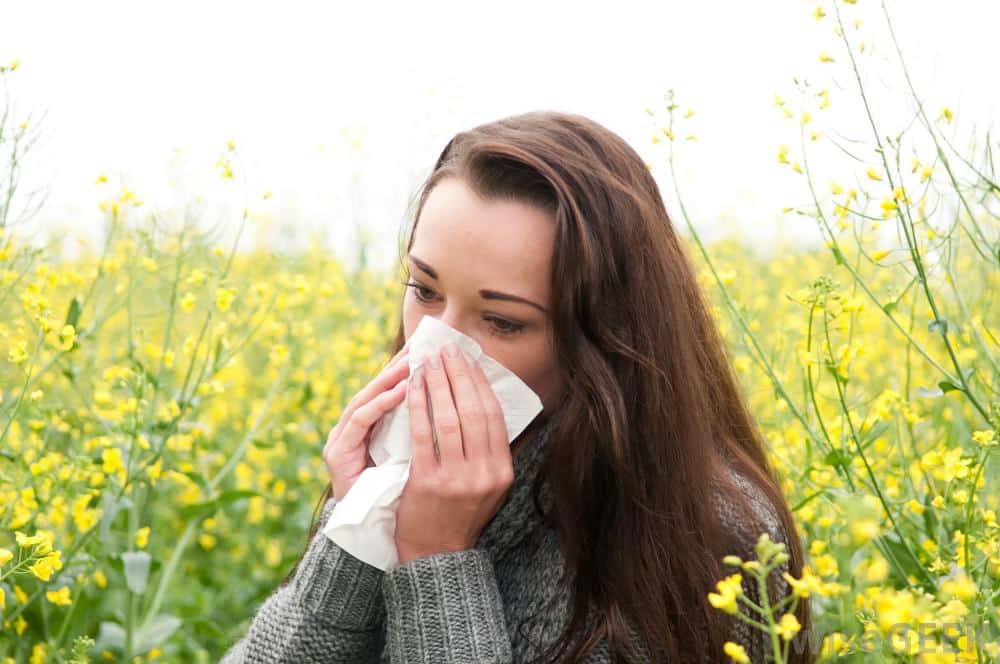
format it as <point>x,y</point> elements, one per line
<point>447,501</point>
<point>346,449</point>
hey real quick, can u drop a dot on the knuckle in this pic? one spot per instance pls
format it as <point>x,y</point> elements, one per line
<point>449,426</point>
<point>470,412</point>
<point>505,477</point>
<point>492,410</point>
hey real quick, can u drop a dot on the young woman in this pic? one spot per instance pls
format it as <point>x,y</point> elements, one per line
<point>598,533</point>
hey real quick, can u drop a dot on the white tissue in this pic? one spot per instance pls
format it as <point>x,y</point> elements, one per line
<point>363,522</point>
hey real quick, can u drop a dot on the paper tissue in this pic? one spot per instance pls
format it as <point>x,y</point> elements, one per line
<point>363,522</point>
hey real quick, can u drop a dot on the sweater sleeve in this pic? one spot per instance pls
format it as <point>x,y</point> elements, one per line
<point>758,644</point>
<point>445,607</point>
<point>330,611</point>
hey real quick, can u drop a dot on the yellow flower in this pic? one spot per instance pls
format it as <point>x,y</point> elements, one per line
<point>823,57</point>
<point>67,337</point>
<point>736,652</point>
<point>224,297</point>
<point>112,458</point>
<point>960,586</point>
<point>5,556</point>
<point>986,438</point>
<point>188,301</point>
<point>60,597</point>
<point>43,567</point>
<point>3,598</point>
<point>863,530</point>
<point>729,589</point>
<point>42,538</point>
<point>18,352</point>
<point>782,154</point>
<point>947,114</point>
<point>788,626</point>
<point>819,13</point>
<point>142,537</point>
<point>873,174</point>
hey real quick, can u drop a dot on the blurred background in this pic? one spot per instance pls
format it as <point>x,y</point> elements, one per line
<point>340,110</point>
<point>199,212</point>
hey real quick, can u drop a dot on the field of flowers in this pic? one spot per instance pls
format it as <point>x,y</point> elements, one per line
<point>164,400</point>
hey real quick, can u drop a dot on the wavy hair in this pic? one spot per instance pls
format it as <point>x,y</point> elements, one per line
<point>652,411</point>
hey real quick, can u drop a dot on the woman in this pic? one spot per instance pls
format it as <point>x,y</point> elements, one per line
<point>599,532</point>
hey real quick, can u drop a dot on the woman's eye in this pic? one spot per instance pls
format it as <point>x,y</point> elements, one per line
<point>506,328</point>
<point>418,289</point>
<point>498,326</point>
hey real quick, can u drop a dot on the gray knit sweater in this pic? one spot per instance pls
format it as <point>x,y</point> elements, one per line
<point>462,606</point>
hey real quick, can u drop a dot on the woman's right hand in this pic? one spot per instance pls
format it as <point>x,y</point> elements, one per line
<point>346,450</point>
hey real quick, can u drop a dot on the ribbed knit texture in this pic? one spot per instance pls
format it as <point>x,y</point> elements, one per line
<point>464,606</point>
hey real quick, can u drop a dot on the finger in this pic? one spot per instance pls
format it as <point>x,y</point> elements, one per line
<point>443,413</point>
<point>398,368</point>
<point>471,415</point>
<point>423,459</point>
<point>493,414</point>
<point>361,420</point>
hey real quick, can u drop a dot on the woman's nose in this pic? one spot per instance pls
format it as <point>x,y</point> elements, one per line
<point>452,321</point>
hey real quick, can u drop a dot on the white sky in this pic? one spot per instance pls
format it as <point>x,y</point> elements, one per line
<point>152,94</point>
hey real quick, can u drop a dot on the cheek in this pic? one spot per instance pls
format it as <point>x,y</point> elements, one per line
<point>529,364</point>
<point>411,316</point>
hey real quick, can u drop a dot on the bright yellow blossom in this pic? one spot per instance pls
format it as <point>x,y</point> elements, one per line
<point>735,652</point>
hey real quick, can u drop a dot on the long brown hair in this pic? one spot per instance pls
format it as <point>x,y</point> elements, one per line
<point>652,411</point>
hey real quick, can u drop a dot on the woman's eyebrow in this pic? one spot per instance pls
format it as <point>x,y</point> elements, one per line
<point>484,293</point>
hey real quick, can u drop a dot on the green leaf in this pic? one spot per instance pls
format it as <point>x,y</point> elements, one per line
<point>73,315</point>
<point>837,458</point>
<point>157,631</point>
<point>211,506</point>
<point>939,325</point>
<point>876,430</point>
<point>109,510</point>
<point>947,386</point>
<point>888,307</point>
<point>136,570</point>
<point>110,636</point>
<point>218,353</point>
<point>837,255</point>
<point>891,547</point>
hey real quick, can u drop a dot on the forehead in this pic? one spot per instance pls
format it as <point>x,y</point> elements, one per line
<point>500,245</point>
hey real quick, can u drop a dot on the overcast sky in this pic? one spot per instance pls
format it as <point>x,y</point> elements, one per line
<point>151,95</point>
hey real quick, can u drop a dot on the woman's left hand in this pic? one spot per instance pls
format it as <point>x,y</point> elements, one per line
<point>447,501</point>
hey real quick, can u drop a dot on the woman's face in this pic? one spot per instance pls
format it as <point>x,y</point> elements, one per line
<point>483,269</point>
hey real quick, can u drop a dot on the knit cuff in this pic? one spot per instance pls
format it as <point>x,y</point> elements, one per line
<point>336,586</point>
<point>445,607</point>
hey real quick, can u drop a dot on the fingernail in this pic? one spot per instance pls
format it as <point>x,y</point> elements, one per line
<point>434,360</point>
<point>451,349</point>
